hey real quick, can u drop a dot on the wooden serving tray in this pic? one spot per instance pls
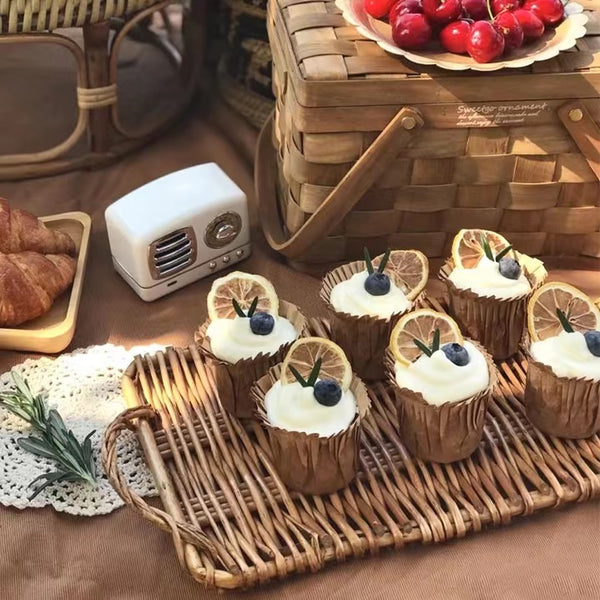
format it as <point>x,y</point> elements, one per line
<point>235,525</point>
<point>54,331</point>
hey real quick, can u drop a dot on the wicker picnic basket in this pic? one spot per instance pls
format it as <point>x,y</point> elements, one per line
<point>374,150</point>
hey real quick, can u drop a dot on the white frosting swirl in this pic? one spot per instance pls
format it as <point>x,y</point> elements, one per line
<point>567,355</point>
<point>294,408</point>
<point>440,381</point>
<point>351,297</point>
<point>232,339</point>
<point>486,280</point>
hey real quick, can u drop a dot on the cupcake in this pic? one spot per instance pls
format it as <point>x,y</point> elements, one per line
<point>366,298</point>
<point>311,407</point>
<point>562,392</point>
<point>442,384</point>
<point>247,332</point>
<point>489,284</point>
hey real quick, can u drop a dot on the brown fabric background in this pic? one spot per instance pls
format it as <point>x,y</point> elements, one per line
<point>49,556</point>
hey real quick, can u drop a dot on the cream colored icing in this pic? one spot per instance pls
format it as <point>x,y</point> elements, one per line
<point>567,355</point>
<point>486,280</point>
<point>440,381</point>
<point>351,297</point>
<point>294,408</point>
<point>232,339</point>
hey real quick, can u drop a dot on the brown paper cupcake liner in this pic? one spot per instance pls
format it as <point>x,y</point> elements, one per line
<point>444,433</point>
<point>234,380</point>
<point>561,406</point>
<point>363,339</point>
<point>497,323</point>
<point>312,464</point>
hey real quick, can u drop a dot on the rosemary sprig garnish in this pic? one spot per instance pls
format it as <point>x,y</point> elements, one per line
<point>435,346</point>
<point>253,306</point>
<point>486,247</point>
<point>53,440</point>
<point>312,378</point>
<point>503,253</point>
<point>564,320</point>
<point>488,250</point>
<point>240,311</point>
<point>384,261</point>
<point>238,308</point>
<point>369,262</point>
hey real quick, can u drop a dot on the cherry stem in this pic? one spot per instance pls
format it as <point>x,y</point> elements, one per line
<point>489,8</point>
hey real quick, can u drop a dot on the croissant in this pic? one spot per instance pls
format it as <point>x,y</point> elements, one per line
<point>20,230</point>
<point>29,284</point>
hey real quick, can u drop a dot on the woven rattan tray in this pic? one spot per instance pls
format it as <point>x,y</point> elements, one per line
<point>234,524</point>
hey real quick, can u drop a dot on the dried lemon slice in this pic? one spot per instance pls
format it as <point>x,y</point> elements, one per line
<point>304,354</point>
<point>242,287</point>
<point>542,317</point>
<point>420,325</point>
<point>408,269</point>
<point>467,247</point>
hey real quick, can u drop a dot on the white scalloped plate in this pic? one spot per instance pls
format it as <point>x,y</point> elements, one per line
<point>548,46</point>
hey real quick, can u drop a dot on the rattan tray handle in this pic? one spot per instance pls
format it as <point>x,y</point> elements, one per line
<point>363,174</point>
<point>181,532</point>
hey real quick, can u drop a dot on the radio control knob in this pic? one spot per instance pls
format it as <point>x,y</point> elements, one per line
<point>239,253</point>
<point>226,259</point>
<point>212,264</point>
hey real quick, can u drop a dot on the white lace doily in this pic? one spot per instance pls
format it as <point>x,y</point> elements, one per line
<point>85,387</point>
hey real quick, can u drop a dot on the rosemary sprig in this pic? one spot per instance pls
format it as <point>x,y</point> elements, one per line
<point>312,378</point>
<point>503,253</point>
<point>253,306</point>
<point>238,308</point>
<point>368,260</point>
<point>564,320</point>
<point>53,440</point>
<point>240,311</point>
<point>425,349</point>
<point>435,346</point>
<point>384,261</point>
<point>486,247</point>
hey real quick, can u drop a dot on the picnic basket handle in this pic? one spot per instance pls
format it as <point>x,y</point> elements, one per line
<point>357,181</point>
<point>181,532</point>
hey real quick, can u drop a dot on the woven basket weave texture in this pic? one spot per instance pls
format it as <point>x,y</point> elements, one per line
<point>493,152</point>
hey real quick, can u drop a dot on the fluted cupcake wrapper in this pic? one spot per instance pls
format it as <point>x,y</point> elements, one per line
<point>561,406</point>
<point>234,380</point>
<point>363,339</point>
<point>312,464</point>
<point>445,433</point>
<point>498,323</point>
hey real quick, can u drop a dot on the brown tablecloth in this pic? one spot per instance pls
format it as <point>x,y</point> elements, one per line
<point>46,555</point>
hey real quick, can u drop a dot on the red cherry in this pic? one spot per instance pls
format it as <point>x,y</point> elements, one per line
<point>475,9</point>
<point>442,12</point>
<point>378,8</point>
<point>454,36</point>
<point>550,12</point>
<point>500,5</point>
<point>511,30</point>
<point>411,31</point>
<point>533,28</point>
<point>405,7</point>
<point>485,42</point>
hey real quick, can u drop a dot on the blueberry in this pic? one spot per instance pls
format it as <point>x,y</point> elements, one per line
<point>327,392</point>
<point>509,268</point>
<point>262,323</point>
<point>456,354</point>
<point>377,284</point>
<point>592,339</point>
